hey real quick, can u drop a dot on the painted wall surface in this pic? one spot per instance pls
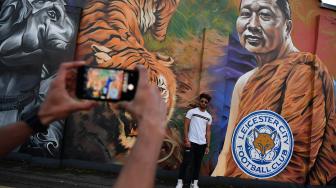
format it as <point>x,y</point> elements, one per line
<point>194,46</point>
<point>293,97</point>
<point>111,35</point>
<point>35,37</point>
<point>189,47</point>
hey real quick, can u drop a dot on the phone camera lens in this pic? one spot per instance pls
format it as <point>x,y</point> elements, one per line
<point>130,87</point>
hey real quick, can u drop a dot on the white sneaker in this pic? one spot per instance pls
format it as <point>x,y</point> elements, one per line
<point>179,183</point>
<point>195,184</point>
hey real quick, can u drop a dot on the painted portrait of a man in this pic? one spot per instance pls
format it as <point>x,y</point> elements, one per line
<point>294,84</point>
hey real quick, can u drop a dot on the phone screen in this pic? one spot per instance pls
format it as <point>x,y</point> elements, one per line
<point>105,84</point>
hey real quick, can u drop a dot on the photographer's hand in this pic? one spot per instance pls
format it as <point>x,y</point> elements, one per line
<point>61,101</point>
<point>147,106</point>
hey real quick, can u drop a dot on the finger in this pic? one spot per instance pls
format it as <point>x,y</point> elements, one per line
<point>72,64</point>
<point>71,82</point>
<point>72,92</point>
<point>71,74</point>
<point>63,70</point>
<point>142,75</point>
<point>60,77</point>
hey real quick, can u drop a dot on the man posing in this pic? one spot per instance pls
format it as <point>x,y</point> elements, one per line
<point>197,126</point>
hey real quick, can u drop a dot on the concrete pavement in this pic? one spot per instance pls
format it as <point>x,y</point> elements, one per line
<point>20,174</point>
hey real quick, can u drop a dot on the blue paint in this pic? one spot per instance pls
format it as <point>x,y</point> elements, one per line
<point>234,64</point>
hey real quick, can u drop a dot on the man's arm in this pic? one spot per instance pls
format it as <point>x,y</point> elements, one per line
<point>13,135</point>
<point>150,111</point>
<point>208,137</point>
<point>140,167</point>
<point>186,132</point>
<point>58,104</point>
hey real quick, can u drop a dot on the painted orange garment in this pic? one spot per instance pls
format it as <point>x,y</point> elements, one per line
<point>300,89</point>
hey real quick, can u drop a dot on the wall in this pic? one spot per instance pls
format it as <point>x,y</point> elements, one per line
<point>194,47</point>
<point>35,38</point>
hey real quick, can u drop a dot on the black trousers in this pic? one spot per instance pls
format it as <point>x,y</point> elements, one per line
<point>191,164</point>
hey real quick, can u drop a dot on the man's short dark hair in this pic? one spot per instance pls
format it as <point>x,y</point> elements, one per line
<point>206,96</point>
<point>284,7</point>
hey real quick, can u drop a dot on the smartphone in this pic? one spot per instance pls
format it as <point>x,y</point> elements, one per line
<point>106,84</point>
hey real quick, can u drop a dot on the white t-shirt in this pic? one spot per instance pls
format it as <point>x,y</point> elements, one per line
<point>198,123</point>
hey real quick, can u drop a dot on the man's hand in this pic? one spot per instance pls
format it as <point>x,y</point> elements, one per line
<point>147,106</point>
<point>187,143</point>
<point>207,149</point>
<point>60,101</point>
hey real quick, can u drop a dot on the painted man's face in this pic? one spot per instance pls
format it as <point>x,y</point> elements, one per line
<point>261,26</point>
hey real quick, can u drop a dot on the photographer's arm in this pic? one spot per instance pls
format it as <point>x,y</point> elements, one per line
<point>59,103</point>
<point>13,135</point>
<point>139,170</point>
<point>150,112</point>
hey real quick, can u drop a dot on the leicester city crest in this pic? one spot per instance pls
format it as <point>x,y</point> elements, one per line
<point>262,144</point>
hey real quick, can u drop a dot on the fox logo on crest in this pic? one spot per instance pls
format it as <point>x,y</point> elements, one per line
<point>264,146</point>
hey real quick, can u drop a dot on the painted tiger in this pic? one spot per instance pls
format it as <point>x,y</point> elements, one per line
<point>110,35</point>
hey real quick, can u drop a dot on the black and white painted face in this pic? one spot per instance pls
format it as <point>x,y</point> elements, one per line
<point>261,26</point>
<point>35,26</point>
<point>50,19</point>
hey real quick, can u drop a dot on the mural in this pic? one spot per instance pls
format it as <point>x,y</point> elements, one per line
<point>326,41</point>
<point>273,97</point>
<point>35,37</point>
<point>193,46</point>
<point>111,36</point>
<point>294,84</point>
